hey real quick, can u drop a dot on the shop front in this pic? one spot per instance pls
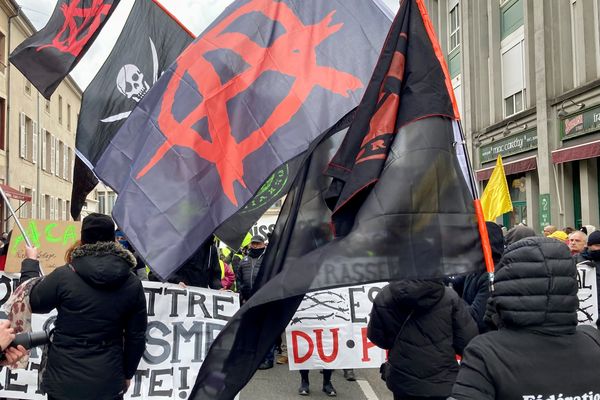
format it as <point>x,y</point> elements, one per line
<point>578,163</point>
<point>520,166</point>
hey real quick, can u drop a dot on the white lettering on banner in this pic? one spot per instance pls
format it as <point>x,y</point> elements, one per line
<point>587,313</point>
<point>264,226</point>
<point>329,330</point>
<point>182,324</point>
<point>561,396</point>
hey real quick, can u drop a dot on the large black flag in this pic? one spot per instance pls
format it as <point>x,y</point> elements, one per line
<point>246,97</point>
<point>49,55</point>
<point>149,42</point>
<point>410,213</point>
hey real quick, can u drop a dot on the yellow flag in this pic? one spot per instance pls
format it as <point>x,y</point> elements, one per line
<point>495,200</point>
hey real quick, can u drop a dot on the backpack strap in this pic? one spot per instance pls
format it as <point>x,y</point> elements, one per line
<point>590,332</point>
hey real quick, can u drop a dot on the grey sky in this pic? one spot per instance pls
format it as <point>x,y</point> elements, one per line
<point>194,14</point>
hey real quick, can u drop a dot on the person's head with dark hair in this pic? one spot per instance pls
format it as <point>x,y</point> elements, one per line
<point>97,228</point>
<point>568,230</point>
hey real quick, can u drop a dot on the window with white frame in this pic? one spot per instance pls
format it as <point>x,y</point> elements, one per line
<point>60,109</point>
<point>26,209</point>
<point>102,203</point>
<point>61,158</point>
<point>513,73</point>
<point>68,116</point>
<point>453,27</point>
<point>27,87</point>
<point>59,208</point>
<point>28,138</point>
<point>47,207</point>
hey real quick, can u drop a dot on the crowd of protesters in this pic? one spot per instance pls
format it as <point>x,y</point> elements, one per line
<point>517,339</point>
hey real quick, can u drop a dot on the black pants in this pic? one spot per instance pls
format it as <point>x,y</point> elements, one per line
<point>396,397</point>
<point>326,375</point>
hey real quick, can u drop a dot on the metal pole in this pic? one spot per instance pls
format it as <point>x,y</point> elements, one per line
<point>15,217</point>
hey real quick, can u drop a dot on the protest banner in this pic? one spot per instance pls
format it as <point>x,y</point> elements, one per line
<point>587,313</point>
<point>182,324</point>
<point>329,330</point>
<point>52,238</point>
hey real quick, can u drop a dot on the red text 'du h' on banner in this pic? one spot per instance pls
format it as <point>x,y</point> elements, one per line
<point>329,330</point>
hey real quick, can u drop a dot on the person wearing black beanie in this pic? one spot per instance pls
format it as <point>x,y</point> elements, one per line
<point>101,316</point>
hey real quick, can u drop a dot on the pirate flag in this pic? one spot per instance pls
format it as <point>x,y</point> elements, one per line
<point>49,55</point>
<point>403,156</point>
<point>252,92</point>
<point>149,42</point>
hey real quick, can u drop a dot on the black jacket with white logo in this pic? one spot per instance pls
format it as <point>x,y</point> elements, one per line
<point>537,353</point>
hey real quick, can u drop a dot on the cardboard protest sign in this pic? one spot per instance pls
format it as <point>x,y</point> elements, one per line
<point>587,313</point>
<point>329,330</point>
<point>182,324</point>
<point>52,239</point>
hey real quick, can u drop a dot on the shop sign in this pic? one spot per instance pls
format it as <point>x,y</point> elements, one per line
<point>511,145</point>
<point>580,124</point>
<point>545,218</point>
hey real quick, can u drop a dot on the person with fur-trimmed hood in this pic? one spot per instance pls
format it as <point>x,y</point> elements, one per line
<point>99,333</point>
<point>538,352</point>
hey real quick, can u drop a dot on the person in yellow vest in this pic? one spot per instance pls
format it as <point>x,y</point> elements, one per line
<point>227,276</point>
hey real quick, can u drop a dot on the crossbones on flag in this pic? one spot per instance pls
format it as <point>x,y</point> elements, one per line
<point>50,54</point>
<point>253,91</point>
<point>149,42</point>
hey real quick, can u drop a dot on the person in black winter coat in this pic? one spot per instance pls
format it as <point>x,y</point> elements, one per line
<point>424,325</point>
<point>250,266</point>
<point>537,353</point>
<point>100,329</point>
<point>476,289</point>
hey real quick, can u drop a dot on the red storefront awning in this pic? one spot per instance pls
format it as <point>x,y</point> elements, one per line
<point>510,168</point>
<point>575,153</point>
<point>12,193</point>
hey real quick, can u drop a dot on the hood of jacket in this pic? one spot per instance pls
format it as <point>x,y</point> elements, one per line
<point>103,265</point>
<point>417,295</point>
<point>517,233</point>
<point>496,240</point>
<point>535,287</point>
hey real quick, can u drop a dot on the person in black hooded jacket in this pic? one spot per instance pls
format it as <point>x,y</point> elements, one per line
<point>424,325</point>
<point>100,328</point>
<point>476,289</point>
<point>537,353</point>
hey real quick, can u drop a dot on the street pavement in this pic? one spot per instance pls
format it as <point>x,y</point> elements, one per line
<point>279,383</point>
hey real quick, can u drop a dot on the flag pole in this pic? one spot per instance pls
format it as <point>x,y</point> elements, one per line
<point>15,217</point>
<point>483,233</point>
